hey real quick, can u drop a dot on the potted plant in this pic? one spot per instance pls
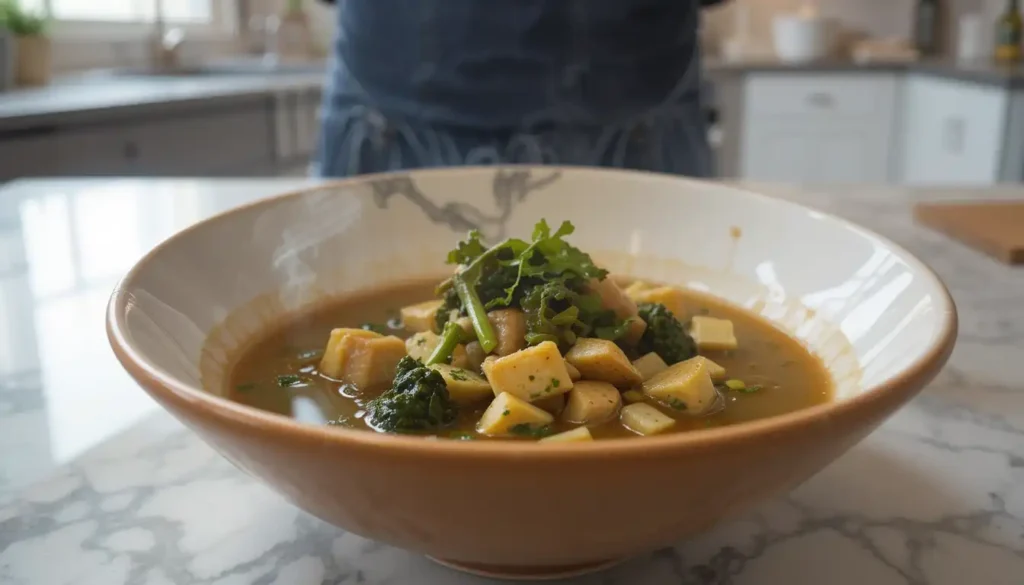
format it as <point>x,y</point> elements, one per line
<point>33,50</point>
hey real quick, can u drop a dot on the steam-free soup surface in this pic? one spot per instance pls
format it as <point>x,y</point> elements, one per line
<point>280,372</point>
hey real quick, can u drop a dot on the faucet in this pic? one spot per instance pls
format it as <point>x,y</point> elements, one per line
<point>165,43</point>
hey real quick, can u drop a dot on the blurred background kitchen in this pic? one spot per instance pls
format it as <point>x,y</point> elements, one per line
<point>922,92</point>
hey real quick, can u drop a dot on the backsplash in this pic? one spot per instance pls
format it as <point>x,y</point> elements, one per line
<point>874,18</point>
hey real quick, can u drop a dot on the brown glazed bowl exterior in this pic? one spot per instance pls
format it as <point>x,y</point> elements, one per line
<point>505,507</point>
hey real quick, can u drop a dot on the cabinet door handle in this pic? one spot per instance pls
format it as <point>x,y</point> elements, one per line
<point>820,99</point>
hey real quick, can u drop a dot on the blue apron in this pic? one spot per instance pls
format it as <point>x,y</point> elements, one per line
<point>425,83</point>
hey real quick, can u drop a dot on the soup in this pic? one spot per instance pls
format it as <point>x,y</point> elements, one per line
<point>562,353</point>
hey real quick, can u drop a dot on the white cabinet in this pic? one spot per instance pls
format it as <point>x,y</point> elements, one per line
<point>953,132</point>
<point>818,128</point>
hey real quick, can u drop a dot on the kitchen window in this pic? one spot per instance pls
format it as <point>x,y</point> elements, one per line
<point>77,16</point>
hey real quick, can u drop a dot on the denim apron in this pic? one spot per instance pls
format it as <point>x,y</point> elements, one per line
<point>426,83</point>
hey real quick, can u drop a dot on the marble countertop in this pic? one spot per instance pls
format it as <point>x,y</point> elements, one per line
<point>82,98</point>
<point>99,486</point>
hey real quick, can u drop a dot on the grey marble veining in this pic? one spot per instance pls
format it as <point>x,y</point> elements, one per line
<point>934,497</point>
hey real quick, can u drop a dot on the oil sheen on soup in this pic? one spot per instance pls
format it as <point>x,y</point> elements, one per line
<point>767,373</point>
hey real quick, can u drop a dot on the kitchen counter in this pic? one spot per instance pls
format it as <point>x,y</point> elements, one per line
<point>85,98</point>
<point>986,71</point>
<point>99,486</point>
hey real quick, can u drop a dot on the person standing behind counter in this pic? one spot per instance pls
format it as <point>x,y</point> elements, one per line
<point>426,83</point>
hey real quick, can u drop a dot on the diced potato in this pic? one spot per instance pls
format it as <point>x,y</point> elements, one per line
<point>645,419</point>
<point>712,334</point>
<point>574,374</point>
<point>553,404</point>
<point>716,371</point>
<point>614,299</point>
<point>510,327</point>
<point>577,435</point>
<point>649,365</point>
<point>421,316</point>
<point>474,356</point>
<point>336,353</point>
<point>673,298</point>
<point>507,411</point>
<point>370,361</point>
<point>686,386</point>
<point>600,359</point>
<point>632,396</point>
<point>592,402</point>
<point>422,344</point>
<point>464,386</point>
<point>531,374</point>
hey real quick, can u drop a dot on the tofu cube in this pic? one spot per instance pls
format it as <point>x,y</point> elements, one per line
<point>649,365</point>
<point>574,374</point>
<point>510,327</point>
<point>464,386</point>
<point>507,411</point>
<point>685,387</point>
<point>553,404</point>
<point>712,334</point>
<point>336,353</point>
<point>716,371</point>
<point>644,419</point>
<point>420,317</point>
<point>616,300</point>
<point>371,361</point>
<point>673,298</point>
<point>421,345</point>
<point>531,374</point>
<point>577,435</point>
<point>592,402</point>
<point>602,360</point>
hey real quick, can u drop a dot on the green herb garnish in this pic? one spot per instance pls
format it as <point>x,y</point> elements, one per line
<point>676,403</point>
<point>458,374</point>
<point>289,380</point>
<point>531,431</point>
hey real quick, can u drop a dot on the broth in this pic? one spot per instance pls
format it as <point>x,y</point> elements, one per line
<point>279,372</point>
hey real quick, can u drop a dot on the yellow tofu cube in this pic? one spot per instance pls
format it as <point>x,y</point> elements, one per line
<point>464,386</point>
<point>712,334</point>
<point>510,328</point>
<point>531,374</point>
<point>592,402</point>
<point>553,404</point>
<point>577,435</point>
<point>686,387</point>
<point>602,360</point>
<point>649,365</point>
<point>716,371</point>
<point>507,412</point>
<point>421,316</point>
<point>371,361</point>
<point>574,374</point>
<point>631,396</point>
<point>644,419</point>
<point>336,353</point>
<point>673,298</point>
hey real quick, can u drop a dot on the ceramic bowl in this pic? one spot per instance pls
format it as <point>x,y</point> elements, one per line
<point>879,319</point>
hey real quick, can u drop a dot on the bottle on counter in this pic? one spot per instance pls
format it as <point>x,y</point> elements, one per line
<point>1009,30</point>
<point>927,27</point>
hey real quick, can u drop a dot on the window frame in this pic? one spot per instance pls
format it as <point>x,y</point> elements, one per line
<point>223,24</point>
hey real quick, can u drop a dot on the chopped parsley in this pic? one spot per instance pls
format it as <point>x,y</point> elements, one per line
<point>245,387</point>
<point>555,382</point>
<point>751,389</point>
<point>530,431</point>
<point>459,374</point>
<point>506,413</point>
<point>676,404</point>
<point>289,380</point>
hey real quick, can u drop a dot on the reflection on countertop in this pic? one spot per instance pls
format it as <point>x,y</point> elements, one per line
<point>94,474</point>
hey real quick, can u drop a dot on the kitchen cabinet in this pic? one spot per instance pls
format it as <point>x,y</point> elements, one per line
<point>27,153</point>
<point>818,128</point>
<point>953,132</point>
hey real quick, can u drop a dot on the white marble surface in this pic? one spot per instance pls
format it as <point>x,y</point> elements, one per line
<point>98,486</point>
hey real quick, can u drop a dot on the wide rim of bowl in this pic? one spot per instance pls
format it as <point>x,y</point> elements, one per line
<point>166,390</point>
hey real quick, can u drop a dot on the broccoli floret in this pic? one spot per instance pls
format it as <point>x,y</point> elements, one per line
<point>664,335</point>
<point>417,401</point>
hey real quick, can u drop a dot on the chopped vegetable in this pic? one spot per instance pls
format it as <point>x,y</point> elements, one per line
<point>713,334</point>
<point>735,384</point>
<point>574,374</point>
<point>531,431</point>
<point>599,359</point>
<point>684,386</point>
<point>592,403</point>
<point>510,327</point>
<point>664,335</point>
<point>508,414</point>
<point>449,341</point>
<point>669,297</point>
<point>337,352</point>
<point>553,404</point>
<point>289,380</point>
<point>649,365</point>
<point>464,387</point>
<point>362,358</point>
<point>577,435</point>
<point>632,396</point>
<point>556,312</point>
<point>418,400</point>
<point>531,374</point>
<point>420,317</point>
<point>717,372</point>
<point>614,299</point>
<point>644,419</point>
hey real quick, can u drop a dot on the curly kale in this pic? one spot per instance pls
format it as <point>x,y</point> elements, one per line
<point>558,311</point>
<point>664,335</point>
<point>418,401</point>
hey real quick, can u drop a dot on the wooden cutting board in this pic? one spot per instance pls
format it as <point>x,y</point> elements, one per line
<point>996,228</point>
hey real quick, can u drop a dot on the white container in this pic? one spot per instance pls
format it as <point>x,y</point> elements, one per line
<point>800,37</point>
<point>972,44</point>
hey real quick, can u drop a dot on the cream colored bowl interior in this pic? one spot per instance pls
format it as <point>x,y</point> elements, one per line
<point>865,306</point>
